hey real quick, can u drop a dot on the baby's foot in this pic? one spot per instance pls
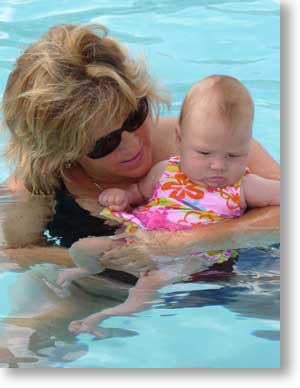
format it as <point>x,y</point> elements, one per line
<point>59,291</point>
<point>65,277</point>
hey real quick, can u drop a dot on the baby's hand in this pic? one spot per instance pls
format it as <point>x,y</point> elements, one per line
<point>115,199</point>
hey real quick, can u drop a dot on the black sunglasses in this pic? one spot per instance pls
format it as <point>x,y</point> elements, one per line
<point>107,144</point>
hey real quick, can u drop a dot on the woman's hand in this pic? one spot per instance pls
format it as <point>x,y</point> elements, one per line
<point>137,257</point>
<point>259,227</point>
<point>134,258</point>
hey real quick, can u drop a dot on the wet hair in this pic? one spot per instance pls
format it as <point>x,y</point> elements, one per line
<point>63,87</point>
<point>228,94</point>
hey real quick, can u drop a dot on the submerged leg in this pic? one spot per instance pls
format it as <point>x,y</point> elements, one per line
<point>140,298</point>
<point>85,254</point>
<point>68,275</point>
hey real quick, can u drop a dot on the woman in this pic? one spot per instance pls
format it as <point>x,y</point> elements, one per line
<point>83,117</point>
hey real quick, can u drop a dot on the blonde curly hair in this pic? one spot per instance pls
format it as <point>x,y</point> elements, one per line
<point>60,88</point>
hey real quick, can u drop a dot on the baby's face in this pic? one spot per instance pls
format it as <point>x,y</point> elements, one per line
<point>212,153</point>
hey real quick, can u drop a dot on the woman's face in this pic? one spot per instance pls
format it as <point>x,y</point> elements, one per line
<point>132,159</point>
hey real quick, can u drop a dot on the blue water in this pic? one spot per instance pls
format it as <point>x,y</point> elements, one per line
<point>226,323</point>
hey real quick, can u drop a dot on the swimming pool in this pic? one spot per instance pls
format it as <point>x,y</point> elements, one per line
<point>233,321</point>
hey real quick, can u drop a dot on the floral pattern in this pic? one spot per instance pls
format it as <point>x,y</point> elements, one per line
<point>178,203</point>
<point>182,188</point>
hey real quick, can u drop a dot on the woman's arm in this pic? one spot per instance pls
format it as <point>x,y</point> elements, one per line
<point>259,227</point>
<point>22,217</point>
<point>28,256</point>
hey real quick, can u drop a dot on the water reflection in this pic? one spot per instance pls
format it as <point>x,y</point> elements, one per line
<point>35,333</point>
<point>252,291</point>
<point>36,327</point>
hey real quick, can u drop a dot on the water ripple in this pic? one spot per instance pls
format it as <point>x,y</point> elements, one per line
<point>258,12</point>
<point>6,14</point>
<point>225,61</point>
<point>4,35</point>
<point>215,61</point>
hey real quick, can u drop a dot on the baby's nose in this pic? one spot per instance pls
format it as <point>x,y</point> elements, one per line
<point>218,164</point>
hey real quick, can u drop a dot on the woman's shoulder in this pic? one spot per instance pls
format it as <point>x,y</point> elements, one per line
<point>261,162</point>
<point>164,128</point>
<point>77,183</point>
<point>15,185</point>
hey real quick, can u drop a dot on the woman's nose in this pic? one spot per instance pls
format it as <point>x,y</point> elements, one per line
<point>128,139</point>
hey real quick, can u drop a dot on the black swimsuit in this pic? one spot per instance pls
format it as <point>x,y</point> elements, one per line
<point>71,222</point>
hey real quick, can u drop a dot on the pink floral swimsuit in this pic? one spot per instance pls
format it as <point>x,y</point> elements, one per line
<point>178,203</point>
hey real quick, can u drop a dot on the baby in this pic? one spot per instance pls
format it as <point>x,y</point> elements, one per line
<point>209,182</point>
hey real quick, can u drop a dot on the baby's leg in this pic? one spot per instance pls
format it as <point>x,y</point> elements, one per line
<point>140,298</point>
<point>85,254</point>
<point>66,276</point>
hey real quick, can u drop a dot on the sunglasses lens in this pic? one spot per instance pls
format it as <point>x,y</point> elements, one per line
<point>106,145</point>
<point>136,119</point>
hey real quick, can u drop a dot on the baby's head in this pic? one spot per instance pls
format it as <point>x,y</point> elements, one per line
<point>215,128</point>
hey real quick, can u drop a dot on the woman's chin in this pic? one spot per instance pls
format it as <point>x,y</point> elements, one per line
<point>138,170</point>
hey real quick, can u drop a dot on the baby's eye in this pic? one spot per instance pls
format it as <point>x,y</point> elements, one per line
<point>234,156</point>
<point>203,153</point>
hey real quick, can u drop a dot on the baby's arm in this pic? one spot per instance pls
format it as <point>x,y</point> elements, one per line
<point>259,192</point>
<point>136,194</point>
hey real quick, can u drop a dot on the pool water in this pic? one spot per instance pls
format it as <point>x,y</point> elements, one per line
<point>221,323</point>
